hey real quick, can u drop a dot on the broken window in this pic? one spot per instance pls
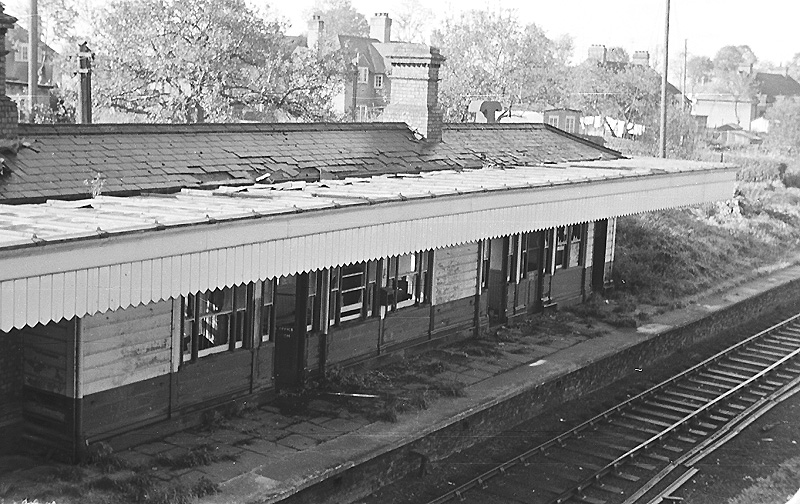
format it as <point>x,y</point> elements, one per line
<point>407,281</point>
<point>576,245</point>
<point>215,321</point>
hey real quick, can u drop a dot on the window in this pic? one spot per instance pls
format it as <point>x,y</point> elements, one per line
<point>407,281</point>
<point>553,121</point>
<point>512,261</point>
<point>531,252</point>
<point>352,292</point>
<point>379,81</point>
<point>215,321</point>
<point>21,52</point>
<point>569,124</point>
<point>363,75</point>
<point>485,264</point>
<point>575,245</point>
<point>267,310</point>
<point>363,113</point>
<point>561,248</point>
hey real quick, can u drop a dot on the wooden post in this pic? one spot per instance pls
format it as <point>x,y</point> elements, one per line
<point>33,57</point>
<point>662,141</point>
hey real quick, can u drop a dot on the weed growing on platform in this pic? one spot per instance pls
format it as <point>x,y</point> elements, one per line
<point>202,455</point>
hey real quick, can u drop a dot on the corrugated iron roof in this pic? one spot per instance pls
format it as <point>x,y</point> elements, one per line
<point>30,224</point>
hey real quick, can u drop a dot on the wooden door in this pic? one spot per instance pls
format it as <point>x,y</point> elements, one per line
<point>291,298</point>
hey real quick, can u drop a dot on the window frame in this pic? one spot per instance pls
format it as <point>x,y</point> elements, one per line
<point>553,121</point>
<point>336,291</point>
<point>198,322</point>
<point>569,124</point>
<point>418,287</point>
<point>363,75</point>
<point>377,81</point>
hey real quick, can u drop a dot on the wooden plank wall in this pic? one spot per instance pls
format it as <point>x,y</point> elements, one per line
<point>48,357</point>
<point>455,273</point>
<point>49,387</point>
<point>359,340</point>
<point>406,324</point>
<point>126,346</point>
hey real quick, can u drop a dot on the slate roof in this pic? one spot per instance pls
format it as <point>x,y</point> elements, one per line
<point>368,55</point>
<point>57,161</point>
<point>773,85</point>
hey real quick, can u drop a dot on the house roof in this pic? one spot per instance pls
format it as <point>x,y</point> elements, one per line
<point>772,84</point>
<point>58,161</point>
<point>364,47</point>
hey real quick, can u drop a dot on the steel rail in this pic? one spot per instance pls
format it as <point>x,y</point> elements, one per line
<point>587,482</point>
<point>480,481</point>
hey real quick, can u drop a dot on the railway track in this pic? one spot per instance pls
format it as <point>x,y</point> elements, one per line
<point>643,448</point>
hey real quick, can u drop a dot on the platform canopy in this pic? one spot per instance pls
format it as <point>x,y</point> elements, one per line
<point>62,259</point>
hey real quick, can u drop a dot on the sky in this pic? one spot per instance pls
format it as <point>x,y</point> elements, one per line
<point>769,27</point>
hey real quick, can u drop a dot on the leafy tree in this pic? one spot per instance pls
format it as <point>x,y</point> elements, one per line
<point>340,19</point>
<point>197,60</point>
<point>728,59</point>
<point>629,93</point>
<point>491,56</point>
<point>409,21</point>
<point>794,66</point>
<point>784,124</point>
<point>617,55</point>
<point>699,70</point>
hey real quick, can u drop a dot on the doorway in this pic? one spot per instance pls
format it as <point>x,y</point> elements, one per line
<point>291,303</point>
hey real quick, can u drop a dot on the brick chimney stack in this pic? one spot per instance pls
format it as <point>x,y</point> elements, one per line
<point>415,89</point>
<point>598,53</point>
<point>380,27</point>
<point>316,31</point>
<point>641,58</point>
<point>9,117</point>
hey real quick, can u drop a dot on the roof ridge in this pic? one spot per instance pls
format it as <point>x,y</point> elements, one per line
<point>164,128</point>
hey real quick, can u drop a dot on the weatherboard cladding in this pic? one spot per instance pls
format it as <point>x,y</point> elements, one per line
<point>58,161</point>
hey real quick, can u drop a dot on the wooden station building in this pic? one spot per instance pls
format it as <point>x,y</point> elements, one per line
<point>226,261</point>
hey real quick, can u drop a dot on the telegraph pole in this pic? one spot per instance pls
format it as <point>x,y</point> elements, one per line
<point>685,58</point>
<point>33,57</point>
<point>662,140</point>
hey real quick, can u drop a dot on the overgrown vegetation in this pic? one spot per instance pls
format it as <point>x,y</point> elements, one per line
<point>776,488</point>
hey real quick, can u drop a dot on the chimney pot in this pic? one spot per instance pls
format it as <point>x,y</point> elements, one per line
<point>380,27</point>
<point>641,58</point>
<point>316,32</point>
<point>598,52</point>
<point>415,89</point>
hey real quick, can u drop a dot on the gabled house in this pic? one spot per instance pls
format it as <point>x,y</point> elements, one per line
<point>16,61</point>
<point>220,262</point>
<point>718,109</point>
<point>368,87</point>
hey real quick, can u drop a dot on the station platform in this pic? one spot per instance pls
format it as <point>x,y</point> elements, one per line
<point>325,452</point>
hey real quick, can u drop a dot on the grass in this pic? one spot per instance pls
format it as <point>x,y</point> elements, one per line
<point>202,455</point>
<point>776,488</point>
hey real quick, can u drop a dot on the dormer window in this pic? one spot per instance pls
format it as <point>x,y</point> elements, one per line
<point>569,127</point>
<point>363,75</point>
<point>379,81</point>
<point>553,121</point>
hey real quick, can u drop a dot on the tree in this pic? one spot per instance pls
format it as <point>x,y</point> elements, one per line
<point>628,93</point>
<point>340,19</point>
<point>699,70</point>
<point>197,60</point>
<point>410,20</point>
<point>728,59</point>
<point>794,66</point>
<point>784,124</point>
<point>617,55</point>
<point>490,56</point>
